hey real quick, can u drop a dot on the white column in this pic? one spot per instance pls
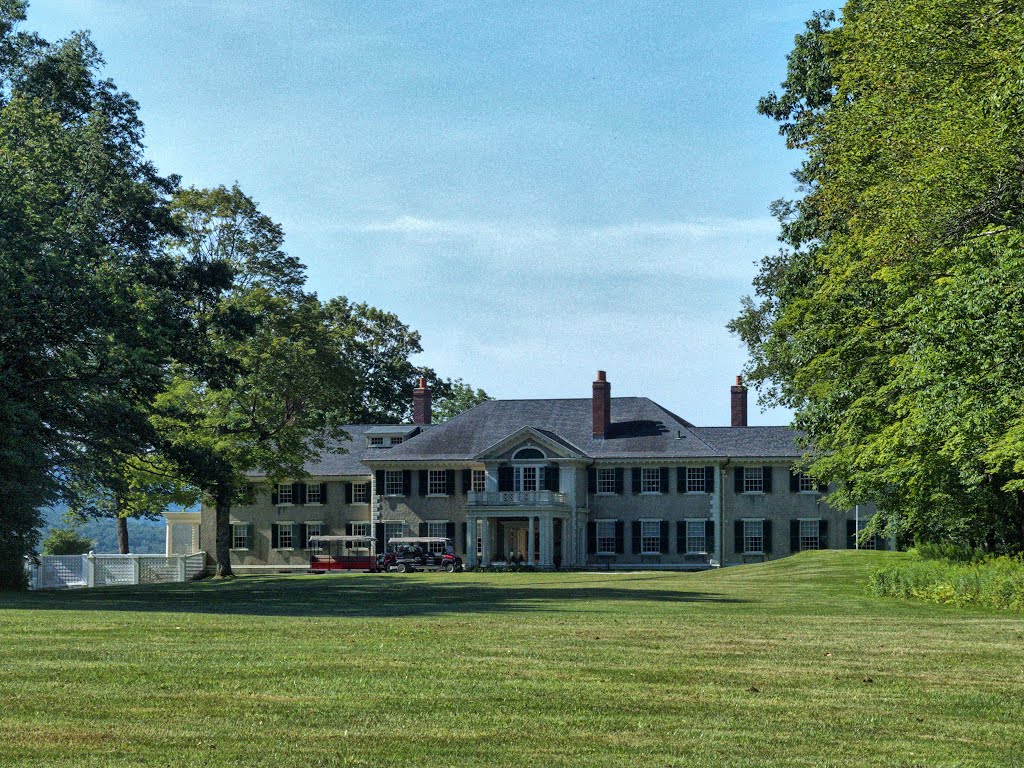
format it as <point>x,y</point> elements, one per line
<point>565,543</point>
<point>545,542</point>
<point>529,542</point>
<point>470,541</point>
<point>485,536</point>
<point>169,539</point>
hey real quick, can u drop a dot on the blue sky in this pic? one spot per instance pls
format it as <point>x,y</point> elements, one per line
<point>541,190</point>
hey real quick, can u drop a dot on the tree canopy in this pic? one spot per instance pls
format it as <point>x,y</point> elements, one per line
<point>891,319</point>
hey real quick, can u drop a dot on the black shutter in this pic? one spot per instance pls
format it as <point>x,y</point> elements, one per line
<point>794,535</point>
<point>680,479</point>
<point>664,537</point>
<point>664,481</point>
<point>737,536</point>
<point>591,480</point>
<point>851,533</point>
<point>467,480</point>
<point>767,479</point>
<point>298,493</point>
<point>681,537</point>
<point>620,481</point>
<point>823,534</point>
<point>381,544</point>
<point>273,496</point>
<point>348,529</point>
<point>407,482</point>
<point>709,535</point>
<point>449,530</point>
<point>422,480</point>
<point>464,546</point>
<point>767,536</point>
<point>635,537</point>
<point>348,493</point>
<point>822,487</point>
<point>506,479</point>
<point>551,478</point>
<point>620,544</point>
<point>380,482</point>
<point>636,480</point>
<point>449,482</point>
<point>423,529</point>
<point>273,535</point>
<point>323,493</point>
<point>709,479</point>
<point>794,480</point>
<point>737,476</point>
<point>591,537</point>
<point>302,536</point>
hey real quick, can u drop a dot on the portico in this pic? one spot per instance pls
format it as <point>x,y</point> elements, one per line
<point>540,537</point>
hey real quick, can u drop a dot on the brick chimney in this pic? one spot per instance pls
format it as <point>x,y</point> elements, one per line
<point>602,406</point>
<point>421,402</point>
<point>739,403</point>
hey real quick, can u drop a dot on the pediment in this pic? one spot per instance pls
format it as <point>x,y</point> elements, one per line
<point>528,440</point>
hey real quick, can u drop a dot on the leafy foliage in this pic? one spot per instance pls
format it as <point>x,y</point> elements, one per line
<point>891,319</point>
<point>66,541</point>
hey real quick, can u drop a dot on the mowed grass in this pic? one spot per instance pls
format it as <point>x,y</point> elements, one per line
<point>791,663</point>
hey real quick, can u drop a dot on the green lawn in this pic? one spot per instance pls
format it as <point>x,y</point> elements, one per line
<point>790,663</point>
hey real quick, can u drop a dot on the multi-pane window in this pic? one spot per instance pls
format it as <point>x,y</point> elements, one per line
<point>437,482</point>
<point>376,441</point>
<point>239,536</point>
<point>696,540</point>
<point>313,494</point>
<point>807,483</point>
<point>360,493</point>
<point>809,530</point>
<point>869,543</point>
<point>396,440</point>
<point>312,529</point>
<point>360,529</point>
<point>529,478</point>
<point>606,481</point>
<point>650,480</point>
<point>437,529</point>
<point>753,479</point>
<point>393,484</point>
<point>393,530</point>
<point>284,493</point>
<point>285,536</point>
<point>479,480</point>
<point>695,480</point>
<point>606,537</point>
<point>753,536</point>
<point>650,537</point>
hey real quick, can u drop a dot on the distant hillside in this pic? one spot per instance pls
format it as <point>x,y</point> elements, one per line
<point>145,537</point>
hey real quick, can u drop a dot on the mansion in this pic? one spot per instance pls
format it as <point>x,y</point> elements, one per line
<point>596,482</point>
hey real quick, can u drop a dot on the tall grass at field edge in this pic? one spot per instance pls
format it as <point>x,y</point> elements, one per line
<point>997,582</point>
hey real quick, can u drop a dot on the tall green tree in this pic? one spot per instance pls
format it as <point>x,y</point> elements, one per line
<point>891,321</point>
<point>88,302</point>
<point>452,397</point>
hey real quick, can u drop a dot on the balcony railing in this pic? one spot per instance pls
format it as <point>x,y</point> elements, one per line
<point>515,498</point>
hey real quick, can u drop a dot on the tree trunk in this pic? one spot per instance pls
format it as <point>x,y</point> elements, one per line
<point>122,534</point>
<point>222,500</point>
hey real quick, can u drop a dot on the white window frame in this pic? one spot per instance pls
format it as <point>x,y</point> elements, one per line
<point>393,479</point>
<point>529,478</point>
<point>606,482</point>
<point>478,480</point>
<point>310,488</point>
<point>696,480</point>
<point>753,479</point>
<point>235,537</point>
<point>376,441</point>
<point>290,526</point>
<point>753,530</point>
<point>392,534</point>
<point>437,482</point>
<point>650,480</point>
<point>396,440</point>
<point>285,489</point>
<point>319,525</point>
<point>809,534</point>
<point>650,544</point>
<point>439,529</point>
<point>701,535</point>
<point>605,534</point>
<point>360,493</point>
<point>806,483</point>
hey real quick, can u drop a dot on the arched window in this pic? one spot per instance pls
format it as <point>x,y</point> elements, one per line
<point>529,453</point>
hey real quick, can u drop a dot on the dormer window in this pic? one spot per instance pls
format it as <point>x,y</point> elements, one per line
<point>396,440</point>
<point>376,442</point>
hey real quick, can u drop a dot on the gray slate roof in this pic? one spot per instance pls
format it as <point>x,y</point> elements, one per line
<point>640,429</point>
<point>351,462</point>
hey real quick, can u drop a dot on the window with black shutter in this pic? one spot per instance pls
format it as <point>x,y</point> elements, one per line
<point>635,537</point>
<point>636,480</point>
<point>620,536</point>
<point>709,479</point>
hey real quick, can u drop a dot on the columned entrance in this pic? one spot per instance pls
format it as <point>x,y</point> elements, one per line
<point>537,537</point>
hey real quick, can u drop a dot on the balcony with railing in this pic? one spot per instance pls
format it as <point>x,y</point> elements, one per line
<point>516,499</point>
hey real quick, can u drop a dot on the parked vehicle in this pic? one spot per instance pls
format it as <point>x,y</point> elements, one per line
<point>408,554</point>
<point>342,553</point>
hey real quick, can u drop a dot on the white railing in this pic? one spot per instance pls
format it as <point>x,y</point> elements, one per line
<point>515,498</point>
<point>56,571</point>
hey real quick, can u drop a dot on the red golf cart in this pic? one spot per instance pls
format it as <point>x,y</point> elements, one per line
<point>342,553</point>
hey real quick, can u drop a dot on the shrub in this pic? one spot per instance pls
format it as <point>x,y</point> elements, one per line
<point>997,582</point>
<point>66,541</point>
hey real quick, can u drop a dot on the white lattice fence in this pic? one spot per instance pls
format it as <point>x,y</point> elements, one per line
<point>195,564</point>
<point>92,570</point>
<point>159,570</point>
<point>113,569</point>
<point>61,571</point>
